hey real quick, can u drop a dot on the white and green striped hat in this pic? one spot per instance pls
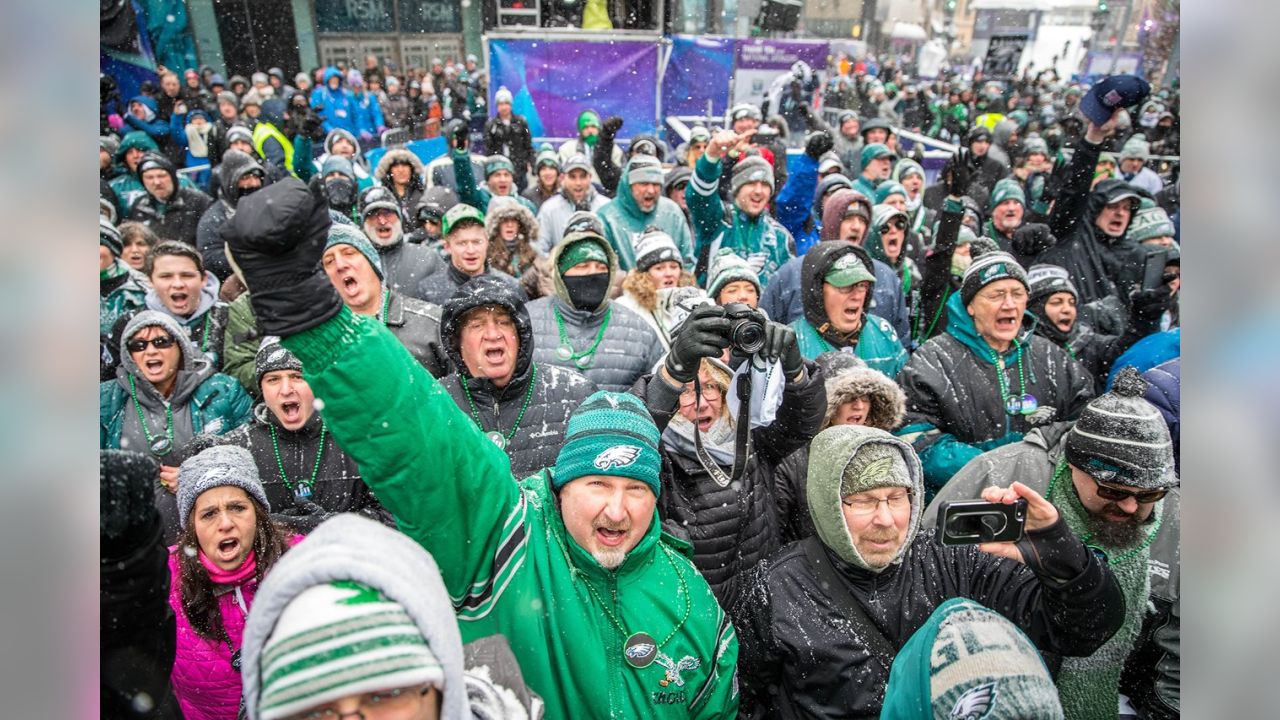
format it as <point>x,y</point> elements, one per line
<point>338,639</point>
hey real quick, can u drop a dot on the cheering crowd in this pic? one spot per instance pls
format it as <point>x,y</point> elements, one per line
<point>616,429</point>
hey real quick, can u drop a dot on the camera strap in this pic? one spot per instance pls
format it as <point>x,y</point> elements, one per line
<point>741,440</point>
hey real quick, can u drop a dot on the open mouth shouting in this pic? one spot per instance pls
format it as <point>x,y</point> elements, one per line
<point>291,412</point>
<point>350,286</point>
<point>228,550</point>
<point>612,536</point>
<point>153,368</point>
<point>180,302</point>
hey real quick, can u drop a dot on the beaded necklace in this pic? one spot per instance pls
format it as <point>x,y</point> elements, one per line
<point>304,487</point>
<point>496,435</point>
<point>566,352</point>
<point>386,303</point>
<point>204,332</point>
<point>158,447</point>
<point>1060,473</point>
<point>1023,404</point>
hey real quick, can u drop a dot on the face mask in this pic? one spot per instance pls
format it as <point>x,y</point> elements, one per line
<point>590,140</point>
<point>242,193</point>
<point>587,292</point>
<point>960,263</point>
<point>341,193</point>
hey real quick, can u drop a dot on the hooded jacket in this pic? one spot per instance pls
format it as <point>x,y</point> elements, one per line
<point>802,656</point>
<point>336,106</point>
<point>359,166</point>
<point>761,241</point>
<point>732,527</point>
<point>877,343</point>
<point>177,218</point>
<point>235,166</point>
<point>1096,351</point>
<point>127,185</point>
<point>905,267</point>
<point>511,258</point>
<point>955,410</point>
<point>624,222</point>
<point>888,406</point>
<point>540,398</point>
<point>627,350</point>
<point>417,186</point>
<point>207,326</point>
<point>502,547</point>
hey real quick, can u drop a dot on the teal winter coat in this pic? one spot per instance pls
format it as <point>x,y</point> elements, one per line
<point>761,240</point>
<point>624,221</point>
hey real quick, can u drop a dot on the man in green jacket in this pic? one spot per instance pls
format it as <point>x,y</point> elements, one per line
<point>639,205</point>
<point>606,613</point>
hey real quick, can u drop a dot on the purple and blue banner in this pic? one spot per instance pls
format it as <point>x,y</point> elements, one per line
<point>759,61</point>
<point>551,82</point>
<point>700,69</point>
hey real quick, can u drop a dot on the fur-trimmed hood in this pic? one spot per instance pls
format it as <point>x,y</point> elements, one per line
<point>888,402</point>
<point>499,254</point>
<point>399,155</point>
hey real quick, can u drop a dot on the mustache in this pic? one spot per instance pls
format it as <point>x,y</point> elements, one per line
<point>623,526</point>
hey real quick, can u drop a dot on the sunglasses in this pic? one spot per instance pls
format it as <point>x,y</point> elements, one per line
<point>159,342</point>
<point>897,223</point>
<point>1108,492</point>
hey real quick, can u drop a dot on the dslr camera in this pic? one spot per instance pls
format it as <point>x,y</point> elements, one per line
<point>746,332</point>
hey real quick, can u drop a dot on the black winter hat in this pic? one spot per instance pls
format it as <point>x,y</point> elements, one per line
<point>156,161</point>
<point>477,292</point>
<point>273,356</point>
<point>1122,438</point>
<point>988,268</point>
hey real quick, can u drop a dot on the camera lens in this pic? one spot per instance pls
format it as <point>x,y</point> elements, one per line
<point>748,336</point>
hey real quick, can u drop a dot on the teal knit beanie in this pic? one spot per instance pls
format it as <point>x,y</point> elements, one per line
<point>1006,189</point>
<point>340,234</point>
<point>887,188</point>
<point>610,434</point>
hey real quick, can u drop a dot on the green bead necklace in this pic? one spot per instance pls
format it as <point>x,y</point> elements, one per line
<point>1022,404</point>
<point>386,303</point>
<point>565,351</point>
<point>496,435</point>
<point>158,446</point>
<point>1060,473</point>
<point>304,487</point>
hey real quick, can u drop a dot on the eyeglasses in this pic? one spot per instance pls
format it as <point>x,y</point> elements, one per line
<point>868,505</point>
<point>709,393</point>
<point>1109,492</point>
<point>159,342</point>
<point>897,223</point>
<point>998,296</point>
<point>385,705</point>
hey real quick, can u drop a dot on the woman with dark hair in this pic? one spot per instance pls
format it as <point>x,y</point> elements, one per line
<point>228,544</point>
<point>137,239</point>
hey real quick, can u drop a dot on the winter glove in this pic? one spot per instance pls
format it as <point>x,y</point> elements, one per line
<point>611,126</point>
<point>458,134</point>
<point>275,242</point>
<point>780,346</point>
<point>1032,239</point>
<point>128,517</point>
<point>312,124</point>
<point>705,333</point>
<point>1055,554</point>
<point>917,153</point>
<point>957,173</point>
<point>818,142</point>
<point>1148,305</point>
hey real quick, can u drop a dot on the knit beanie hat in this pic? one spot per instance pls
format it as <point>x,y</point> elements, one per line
<point>502,96</point>
<point>273,356</point>
<point>377,197</point>
<point>644,169</point>
<point>348,234</point>
<point>875,466</point>
<point>654,246</point>
<point>1136,148</point>
<point>1006,189</point>
<point>1045,280</point>
<point>351,637</point>
<point>609,434</point>
<point>547,158</point>
<point>583,250</point>
<point>251,98</point>
<point>751,169</point>
<point>583,221</point>
<point>109,236</point>
<point>218,466</point>
<point>576,161</point>
<point>726,267</point>
<point>226,96</point>
<point>987,269</point>
<point>967,236</point>
<point>979,245</point>
<point>968,661</point>
<point>829,161</point>
<point>875,151</point>
<point>494,163</point>
<point>1122,438</point>
<point>588,118</point>
<point>887,188</point>
<point>1148,223</point>
<point>337,164</point>
<point>1035,144</point>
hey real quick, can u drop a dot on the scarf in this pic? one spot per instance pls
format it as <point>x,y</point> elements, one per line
<point>718,440</point>
<point>230,577</point>
<point>198,139</point>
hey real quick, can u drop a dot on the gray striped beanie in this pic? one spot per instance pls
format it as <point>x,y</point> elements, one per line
<point>988,268</point>
<point>218,466</point>
<point>338,639</point>
<point>1122,438</point>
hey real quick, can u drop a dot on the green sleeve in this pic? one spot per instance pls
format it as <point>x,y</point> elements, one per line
<point>240,349</point>
<point>468,192</point>
<point>448,486</point>
<point>720,698</point>
<point>303,166</point>
<point>703,197</point>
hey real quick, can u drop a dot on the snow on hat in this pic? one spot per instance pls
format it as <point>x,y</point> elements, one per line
<point>875,466</point>
<point>237,133</point>
<point>583,221</point>
<point>1122,438</point>
<point>502,96</point>
<point>644,169</point>
<point>829,161</point>
<point>743,110</point>
<point>251,98</point>
<point>751,169</point>
<point>109,236</point>
<point>273,356</point>
<point>969,661</point>
<point>1045,280</point>
<point>654,246</point>
<point>496,163</point>
<point>1137,148</point>
<point>577,161</point>
<point>848,269</point>
<point>218,466</point>
<point>1035,144</point>
<point>643,146</point>
<point>547,158</point>
<point>350,636</point>
<point>1148,223</point>
<point>987,269</point>
<point>301,79</point>
<point>460,213</point>
<point>377,198</point>
<point>1006,189</point>
<point>699,133</point>
<point>875,151</point>
<point>105,205</point>
<point>260,78</point>
<point>340,234</point>
<point>726,267</point>
<point>609,434</point>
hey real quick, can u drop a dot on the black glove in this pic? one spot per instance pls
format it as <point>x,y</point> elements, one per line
<point>1054,553</point>
<point>818,142</point>
<point>805,111</point>
<point>458,133</point>
<point>1148,305</point>
<point>705,333</point>
<point>1032,239</point>
<point>611,126</point>
<point>957,173</point>
<point>126,504</point>
<point>312,124</point>
<point>780,345</point>
<point>275,242</point>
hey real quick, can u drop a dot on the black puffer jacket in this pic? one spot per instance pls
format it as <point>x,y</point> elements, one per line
<point>440,287</point>
<point>235,165</point>
<point>416,324</point>
<point>732,527</point>
<point>338,487</point>
<point>406,265</point>
<point>176,219</point>
<point>553,393</point>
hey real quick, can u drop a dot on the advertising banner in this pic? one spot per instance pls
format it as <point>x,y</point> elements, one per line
<point>761,60</point>
<point>699,69</point>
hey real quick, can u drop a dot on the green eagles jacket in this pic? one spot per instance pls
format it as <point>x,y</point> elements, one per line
<point>508,563</point>
<point>878,344</point>
<point>761,241</point>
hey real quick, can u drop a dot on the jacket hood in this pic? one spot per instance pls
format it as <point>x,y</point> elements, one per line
<point>1107,192</point>
<point>834,209</point>
<point>558,280</point>
<point>331,72</point>
<point>348,547</point>
<point>339,164</point>
<point>154,160</point>
<point>397,155</point>
<point>829,454</point>
<point>825,185</point>
<point>510,210</point>
<point>874,244</point>
<point>904,168</point>
<point>149,102</point>
<point>336,133</point>
<point>487,290</point>
<point>193,368</point>
<point>136,139</point>
<point>888,402</point>
<point>500,255</point>
<point>1003,130</point>
<point>273,111</point>
<point>623,196</point>
<point>814,268</point>
<point>235,165</point>
<point>960,326</point>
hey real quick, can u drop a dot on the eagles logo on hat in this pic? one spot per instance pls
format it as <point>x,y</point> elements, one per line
<point>1113,92</point>
<point>617,456</point>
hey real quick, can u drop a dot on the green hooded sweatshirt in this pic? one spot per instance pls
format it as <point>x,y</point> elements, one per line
<point>761,241</point>
<point>624,222</point>
<point>509,564</point>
